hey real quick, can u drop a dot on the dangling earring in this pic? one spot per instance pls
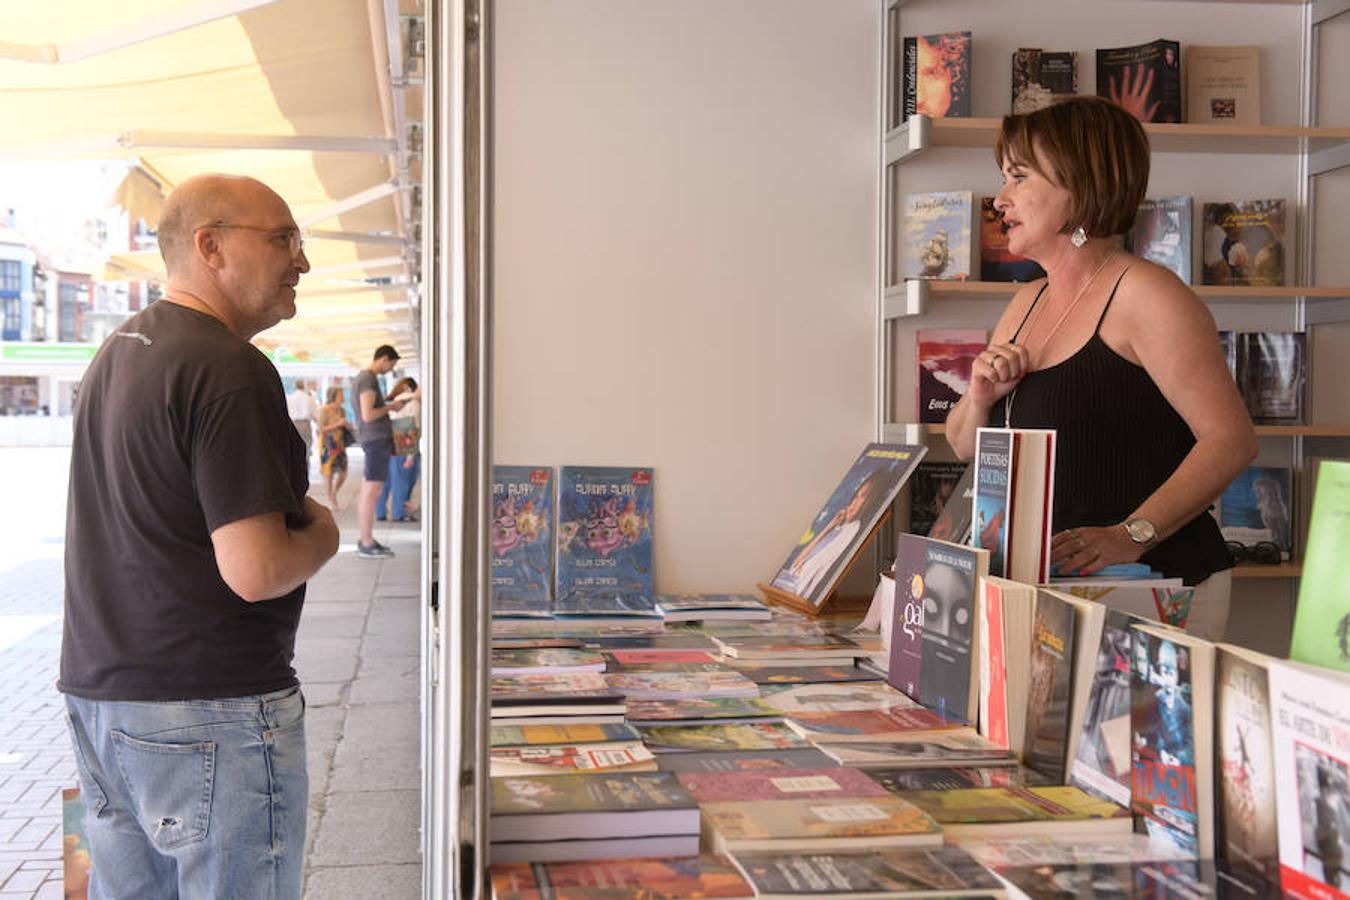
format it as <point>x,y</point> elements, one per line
<point>1079,237</point>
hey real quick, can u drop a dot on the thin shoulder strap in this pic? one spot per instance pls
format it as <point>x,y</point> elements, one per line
<point>1034,301</point>
<point>1102,317</point>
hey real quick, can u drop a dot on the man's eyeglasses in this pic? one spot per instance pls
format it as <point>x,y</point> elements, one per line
<point>288,237</point>
<point>1266,552</point>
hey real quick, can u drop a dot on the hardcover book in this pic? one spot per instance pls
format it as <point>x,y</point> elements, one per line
<point>1243,243</point>
<point>665,878</point>
<point>564,807</point>
<point>894,872</point>
<point>1039,78</point>
<point>614,756</point>
<point>1255,507</point>
<point>944,362</point>
<point>935,75</point>
<point>1102,763</point>
<point>1019,811</point>
<point>951,778</point>
<point>1273,366</point>
<point>1050,683</point>
<point>1247,807</point>
<point>1310,714</point>
<point>814,825</point>
<point>604,539</point>
<point>780,784</point>
<point>522,538</point>
<point>1223,85</point>
<point>1172,746</point>
<point>997,262</point>
<point>739,736</point>
<point>1144,79</point>
<point>1162,234</point>
<point>1322,616</point>
<point>953,522</point>
<point>1014,500</point>
<point>934,485</point>
<point>824,550</point>
<point>934,656</point>
<point>937,235</point>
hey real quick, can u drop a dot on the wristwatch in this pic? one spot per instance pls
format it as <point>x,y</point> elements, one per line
<point>1141,531</point>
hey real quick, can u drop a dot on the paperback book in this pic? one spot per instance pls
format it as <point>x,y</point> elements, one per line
<point>780,784</point>
<point>525,735</point>
<point>1247,838</point>
<point>951,778</point>
<point>829,698</point>
<point>944,363</point>
<point>1021,811</point>
<point>997,262</point>
<point>738,826</point>
<point>680,685</point>
<point>697,710</point>
<point>809,675</point>
<point>933,655</point>
<point>1041,77</point>
<point>953,521</point>
<point>935,485</point>
<point>1244,243</point>
<point>1223,85</point>
<point>522,538</point>
<point>896,872</point>
<point>835,534</point>
<point>712,608</point>
<point>738,736</point>
<point>1255,508</point>
<point>546,661</point>
<point>1050,684</point>
<point>955,749</point>
<point>563,807</point>
<point>1162,234</point>
<point>1145,79</point>
<point>1322,616</point>
<point>1152,878</point>
<point>937,240</point>
<point>1273,366</point>
<point>562,759</point>
<point>665,878</point>
<point>604,539</point>
<point>935,75</point>
<point>1102,762</point>
<point>743,760</point>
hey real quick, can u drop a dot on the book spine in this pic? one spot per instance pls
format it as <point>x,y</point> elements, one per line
<point>910,70</point>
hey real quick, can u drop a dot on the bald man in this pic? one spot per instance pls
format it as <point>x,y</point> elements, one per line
<point>189,539</point>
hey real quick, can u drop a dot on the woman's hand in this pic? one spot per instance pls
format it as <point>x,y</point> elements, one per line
<point>996,371</point>
<point>1083,551</point>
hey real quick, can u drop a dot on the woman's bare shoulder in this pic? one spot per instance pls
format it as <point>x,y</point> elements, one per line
<point>1017,309</point>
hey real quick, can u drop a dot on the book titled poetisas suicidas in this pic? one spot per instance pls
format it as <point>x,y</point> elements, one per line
<point>604,540</point>
<point>522,540</point>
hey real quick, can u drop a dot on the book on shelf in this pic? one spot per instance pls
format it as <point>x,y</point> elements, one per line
<point>1144,79</point>
<point>1322,616</point>
<point>1014,500</point>
<point>1255,508</point>
<point>1101,763</point>
<point>780,784</point>
<point>536,643</point>
<point>1243,242</point>
<point>953,749</point>
<point>522,539</point>
<point>662,641</point>
<point>562,759</point>
<point>1040,78</point>
<point>568,807</point>
<point>546,661</point>
<point>662,878</point>
<point>895,872</point>
<point>701,710</point>
<point>525,735</point>
<point>953,777</point>
<point>934,484</point>
<point>934,654</point>
<point>720,736</point>
<point>1161,233</point>
<point>936,239</point>
<point>587,849</point>
<point>1136,878</point>
<point>605,606</point>
<point>1172,737</point>
<point>1050,673</point>
<point>943,362</point>
<point>1310,716</point>
<point>1021,811</point>
<point>711,607</point>
<point>679,685</point>
<point>586,693</point>
<point>1273,367</point>
<point>997,262</point>
<point>789,647</point>
<point>1004,616</point>
<point>846,521</point>
<point>743,760</point>
<point>1247,829</point>
<point>809,675</point>
<point>1223,85</point>
<point>935,75</point>
<point>661,661</point>
<point>738,826</point>
<point>1228,346</point>
<point>953,521</point>
<point>1003,853</point>
<point>896,724</point>
<point>604,540</point>
<point>591,629</point>
<point>1306,490</point>
<point>795,699</point>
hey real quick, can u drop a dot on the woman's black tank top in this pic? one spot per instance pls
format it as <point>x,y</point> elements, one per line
<point>1118,441</point>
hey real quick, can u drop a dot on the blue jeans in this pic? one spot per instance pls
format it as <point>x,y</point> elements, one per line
<point>193,798</point>
<point>400,485</point>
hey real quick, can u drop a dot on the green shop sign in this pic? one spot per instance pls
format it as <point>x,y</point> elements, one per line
<point>39,352</point>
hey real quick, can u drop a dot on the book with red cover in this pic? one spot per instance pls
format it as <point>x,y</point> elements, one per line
<point>944,359</point>
<point>779,784</point>
<point>663,878</point>
<point>893,724</point>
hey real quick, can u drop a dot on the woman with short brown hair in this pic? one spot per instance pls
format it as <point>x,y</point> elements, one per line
<point>1113,352</point>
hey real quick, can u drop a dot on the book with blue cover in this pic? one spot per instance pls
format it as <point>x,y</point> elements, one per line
<point>522,540</point>
<point>937,235</point>
<point>993,496</point>
<point>605,541</point>
<point>1255,508</point>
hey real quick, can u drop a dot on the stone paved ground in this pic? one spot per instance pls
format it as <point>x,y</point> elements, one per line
<point>357,655</point>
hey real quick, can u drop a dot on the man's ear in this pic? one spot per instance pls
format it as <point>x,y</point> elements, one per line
<point>206,246</point>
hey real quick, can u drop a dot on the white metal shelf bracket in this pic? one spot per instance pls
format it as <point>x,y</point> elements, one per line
<point>907,299</point>
<point>910,138</point>
<point>1329,159</point>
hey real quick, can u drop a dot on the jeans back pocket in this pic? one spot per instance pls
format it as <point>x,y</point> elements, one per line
<point>171,785</point>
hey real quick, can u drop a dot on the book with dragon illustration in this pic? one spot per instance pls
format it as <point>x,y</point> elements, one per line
<point>604,540</point>
<point>522,540</point>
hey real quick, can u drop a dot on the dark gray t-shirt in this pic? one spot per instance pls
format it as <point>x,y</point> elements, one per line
<point>180,428</point>
<point>380,429</point>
